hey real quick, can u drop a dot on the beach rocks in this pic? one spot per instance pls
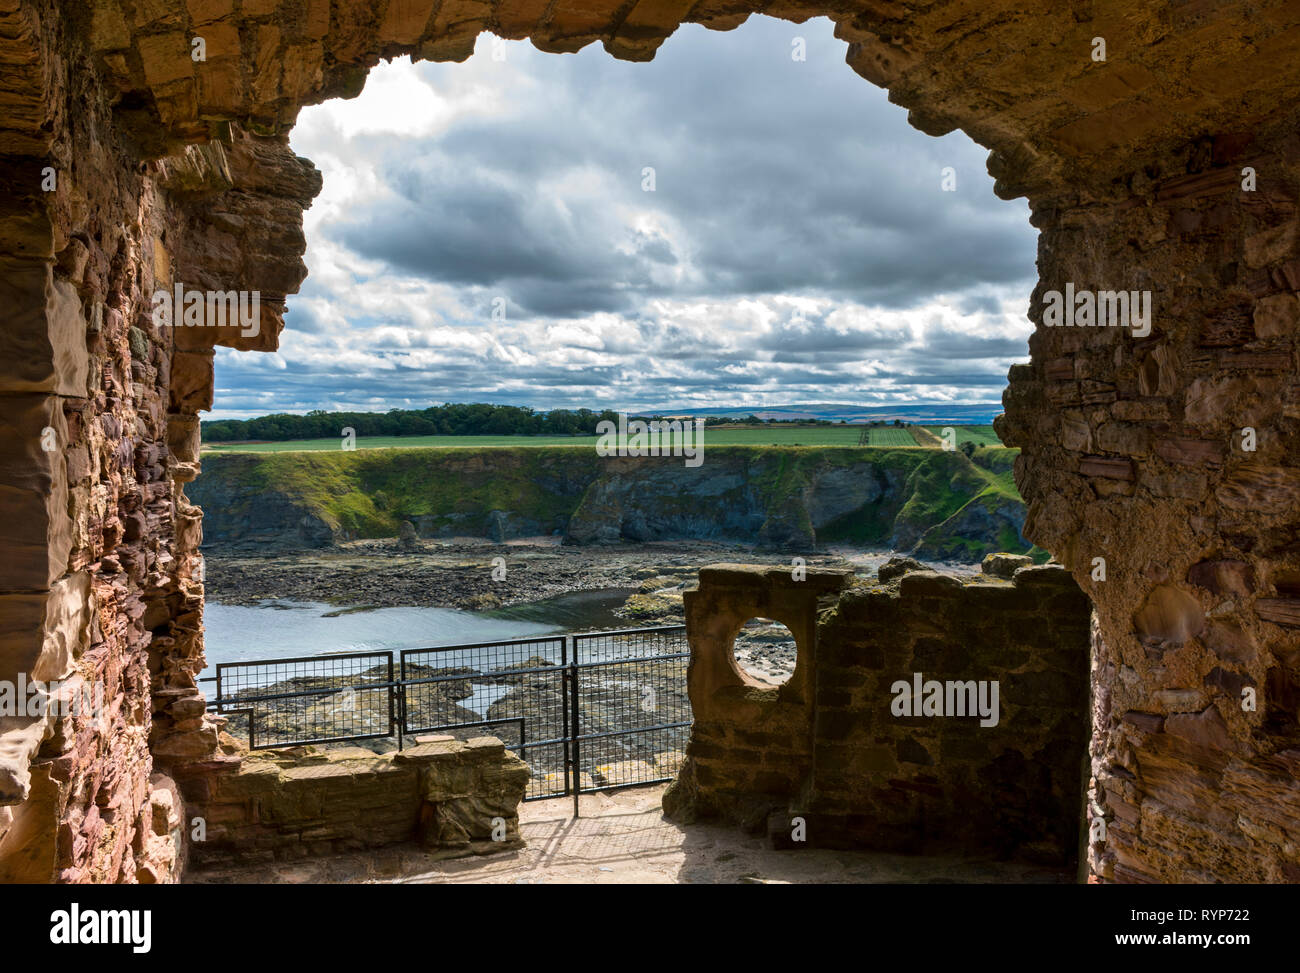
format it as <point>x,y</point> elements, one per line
<point>1004,565</point>
<point>766,650</point>
<point>407,539</point>
<point>896,567</point>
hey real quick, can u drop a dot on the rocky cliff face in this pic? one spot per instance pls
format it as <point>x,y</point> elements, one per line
<point>936,504</point>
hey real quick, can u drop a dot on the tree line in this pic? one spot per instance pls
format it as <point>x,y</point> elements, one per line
<point>449,419</point>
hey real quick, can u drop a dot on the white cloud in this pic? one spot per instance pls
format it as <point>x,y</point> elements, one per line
<point>797,246</point>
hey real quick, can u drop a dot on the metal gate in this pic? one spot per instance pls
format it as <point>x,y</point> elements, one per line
<point>631,715</point>
<point>586,712</point>
<point>515,690</point>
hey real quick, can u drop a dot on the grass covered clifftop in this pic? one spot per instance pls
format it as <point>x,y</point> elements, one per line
<point>933,502</point>
<point>369,493</point>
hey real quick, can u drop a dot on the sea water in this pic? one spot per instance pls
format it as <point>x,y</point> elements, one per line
<point>290,629</point>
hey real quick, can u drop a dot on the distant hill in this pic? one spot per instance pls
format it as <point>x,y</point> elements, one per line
<point>965,413</point>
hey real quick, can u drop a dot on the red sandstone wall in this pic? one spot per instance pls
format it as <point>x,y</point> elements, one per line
<point>101,585</point>
<point>828,746</point>
<point>1133,453</point>
<point>1128,445</point>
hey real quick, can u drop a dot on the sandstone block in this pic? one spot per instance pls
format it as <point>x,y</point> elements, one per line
<point>1004,565</point>
<point>1223,577</point>
<point>1204,729</point>
<point>405,21</point>
<point>1261,489</point>
<point>1277,316</point>
<point>191,381</point>
<point>1169,614</point>
<point>166,57</point>
<point>1270,246</point>
<point>919,584</point>
<point>206,11</point>
<point>1279,611</point>
<point>35,529</point>
<point>108,29</point>
<point>43,343</point>
<point>1106,467</point>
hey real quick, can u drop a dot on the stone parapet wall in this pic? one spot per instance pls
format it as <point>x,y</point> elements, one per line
<point>947,783</point>
<point>751,743</point>
<point>452,797</point>
<point>828,747</point>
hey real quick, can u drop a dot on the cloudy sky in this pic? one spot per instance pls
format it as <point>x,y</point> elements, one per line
<point>723,226</point>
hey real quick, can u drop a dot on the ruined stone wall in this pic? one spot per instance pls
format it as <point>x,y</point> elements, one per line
<point>101,580</point>
<point>169,167</point>
<point>833,747</point>
<point>88,513</point>
<point>947,782</point>
<point>1173,457</point>
<point>452,797</point>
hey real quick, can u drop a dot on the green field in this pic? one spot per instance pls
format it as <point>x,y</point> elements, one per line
<point>889,436</point>
<point>979,435</point>
<point>741,436</point>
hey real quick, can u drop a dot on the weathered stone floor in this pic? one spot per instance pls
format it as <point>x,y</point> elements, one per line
<point>622,838</point>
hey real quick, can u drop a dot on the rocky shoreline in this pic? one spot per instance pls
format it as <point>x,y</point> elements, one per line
<point>460,575</point>
<point>468,574</point>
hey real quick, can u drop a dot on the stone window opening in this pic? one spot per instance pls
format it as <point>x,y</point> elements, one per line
<point>765,650</point>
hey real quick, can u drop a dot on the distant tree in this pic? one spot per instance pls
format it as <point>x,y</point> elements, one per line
<point>448,419</point>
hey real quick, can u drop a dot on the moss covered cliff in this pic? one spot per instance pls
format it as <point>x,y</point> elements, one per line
<point>934,503</point>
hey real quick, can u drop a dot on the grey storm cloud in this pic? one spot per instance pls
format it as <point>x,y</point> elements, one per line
<point>777,188</point>
<point>966,347</point>
<point>814,337</point>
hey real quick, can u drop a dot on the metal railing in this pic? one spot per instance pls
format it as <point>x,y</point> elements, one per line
<point>592,711</point>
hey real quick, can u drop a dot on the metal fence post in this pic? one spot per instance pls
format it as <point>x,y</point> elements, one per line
<point>397,699</point>
<point>574,729</point>
<point>570,777</point>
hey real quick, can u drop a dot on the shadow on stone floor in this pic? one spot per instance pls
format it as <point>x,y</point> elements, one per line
<point>622,838</point>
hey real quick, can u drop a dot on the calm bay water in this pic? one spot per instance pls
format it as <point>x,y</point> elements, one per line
<point>239,633</point>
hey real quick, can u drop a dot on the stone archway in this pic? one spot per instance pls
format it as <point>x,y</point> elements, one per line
<point>1171,166</point>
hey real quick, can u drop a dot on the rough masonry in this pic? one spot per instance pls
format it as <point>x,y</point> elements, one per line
<point>451,797</point>
<point>829,748</point>
<point>1171,166</point>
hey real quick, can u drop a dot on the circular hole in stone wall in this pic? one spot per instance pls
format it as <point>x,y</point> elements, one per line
<point>765,650</point>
